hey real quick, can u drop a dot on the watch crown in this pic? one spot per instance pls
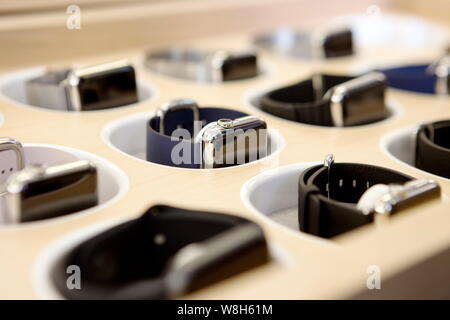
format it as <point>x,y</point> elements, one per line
<point>225,123</point>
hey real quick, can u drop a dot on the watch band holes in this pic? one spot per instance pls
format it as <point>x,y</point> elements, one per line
<point>341,183</point>
<point>367,184</point>
<point>354,183</point>
<point>159,239</point>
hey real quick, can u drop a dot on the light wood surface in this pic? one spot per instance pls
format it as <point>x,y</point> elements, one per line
<point>316,269</point>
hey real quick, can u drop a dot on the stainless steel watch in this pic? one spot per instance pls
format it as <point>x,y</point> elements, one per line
<point>442,73</point>
<point>203,66</point>
<point>228,142</point>
<point>95,87</point>
<point>182,134</point>
<point>387,199</point>
<point>40,192</point>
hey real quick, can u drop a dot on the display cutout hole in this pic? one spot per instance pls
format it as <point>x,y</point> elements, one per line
<point>253,96</point>
<point>273,195</point>
<point>52,257</point>
<point>12,88</point>
<point>400,146</point>
<point>112,182</point>
<point>128,135</point>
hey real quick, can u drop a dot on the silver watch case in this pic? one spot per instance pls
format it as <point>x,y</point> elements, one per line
<point>387,199</point>
<point>59,89</point>
<point>39,190</point>
<point>228,142</point>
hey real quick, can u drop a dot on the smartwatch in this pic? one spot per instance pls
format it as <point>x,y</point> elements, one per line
<point>164,254</point>
<point>432,148</point>
<point>39,192</point>
<point>431,79</point>
<point>96,87</point>
<point>203,66</point>
<point>330,100</point>
<point>338,197</point>
<point>184,135</point>
<point>321,44</point>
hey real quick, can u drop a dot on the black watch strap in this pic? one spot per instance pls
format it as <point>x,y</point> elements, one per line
<point>328,215</point>
<point>433,148</point>
<point>301,102</point>
<point>146,258</point>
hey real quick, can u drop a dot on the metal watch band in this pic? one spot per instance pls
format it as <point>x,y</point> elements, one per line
<point>328,197</point>
<point>160,145</point>
<point>203,66</point>
<point>320,44</point>
<point>164,254</point>
<point>432,152</point>
<point>301,102</point>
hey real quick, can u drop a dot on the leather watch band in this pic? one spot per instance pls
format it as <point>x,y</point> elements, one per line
<point>326,215</point>
<point>300,102</point>
<point>160,146</point>
<point>433,148</point>
<point>163,254</point>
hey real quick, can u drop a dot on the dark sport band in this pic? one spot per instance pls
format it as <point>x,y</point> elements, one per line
<point>164,254</point>
<point>432,152</point>
<point>301,102</point>
<point>329,214</point>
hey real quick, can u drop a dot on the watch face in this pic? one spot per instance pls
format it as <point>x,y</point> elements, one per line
<point>50,197</point>
<point>109,89</point>
<point>338,44</point>
<point>364,104</point>
<point>240,67</point>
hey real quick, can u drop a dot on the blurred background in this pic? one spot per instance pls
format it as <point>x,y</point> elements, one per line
<point>36,31</point>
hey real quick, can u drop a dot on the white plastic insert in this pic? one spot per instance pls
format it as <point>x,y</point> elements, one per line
<point>400,145</point>
<point>273,195</point>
